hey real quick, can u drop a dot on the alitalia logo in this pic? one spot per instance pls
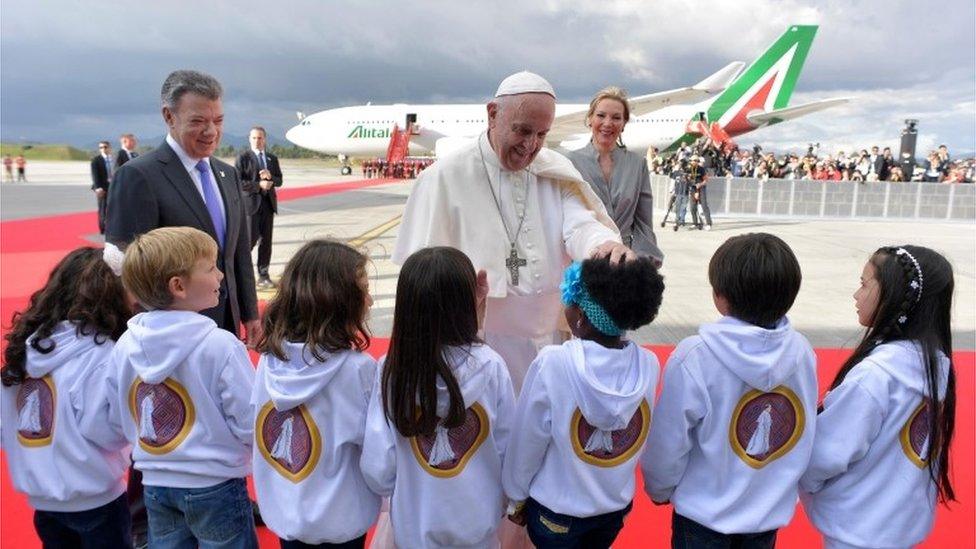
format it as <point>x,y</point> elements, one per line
<point>360,132</point>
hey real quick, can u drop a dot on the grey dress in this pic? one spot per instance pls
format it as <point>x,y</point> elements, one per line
<point>627,196</point>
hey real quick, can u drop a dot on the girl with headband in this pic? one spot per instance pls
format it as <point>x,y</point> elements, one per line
<point>881,455</point>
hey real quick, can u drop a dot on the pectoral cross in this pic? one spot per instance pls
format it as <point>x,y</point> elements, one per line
<point>513,263</point>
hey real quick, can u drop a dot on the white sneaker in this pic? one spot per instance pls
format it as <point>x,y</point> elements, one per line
<point>708,227</point>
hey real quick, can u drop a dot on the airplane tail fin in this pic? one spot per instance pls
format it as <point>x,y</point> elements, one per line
<point>767,84</point>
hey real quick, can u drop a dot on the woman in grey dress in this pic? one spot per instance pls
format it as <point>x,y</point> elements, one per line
<point>619,177</point>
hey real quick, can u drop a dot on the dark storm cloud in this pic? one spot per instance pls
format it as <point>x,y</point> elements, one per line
<point>77,72</point>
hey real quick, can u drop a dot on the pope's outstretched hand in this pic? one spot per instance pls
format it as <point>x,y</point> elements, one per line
<point>615,250</point>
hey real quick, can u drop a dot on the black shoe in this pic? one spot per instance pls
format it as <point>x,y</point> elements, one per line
<point>675,227</point>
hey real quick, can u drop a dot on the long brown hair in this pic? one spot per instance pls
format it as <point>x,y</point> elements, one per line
<point>320,302</point>
<point>82,289</point>
<point>904,315</point>
<point>435,308</point>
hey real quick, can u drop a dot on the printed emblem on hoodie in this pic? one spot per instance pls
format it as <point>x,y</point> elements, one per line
<point>288,440</point>
<point>163,413</point>
<point>609,448</point>
<point>765,426</point>
<point>445,453</point>
<point>915,436</point>
<point>36,400</point>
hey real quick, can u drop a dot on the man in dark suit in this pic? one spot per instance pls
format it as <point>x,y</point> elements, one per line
<point>101,174</point>
<point>260,175</point>
<point>876,171</point>
<point>179,183</point>
<point>127,150</point>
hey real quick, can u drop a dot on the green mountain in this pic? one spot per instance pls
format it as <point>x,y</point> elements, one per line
<point>42,151</point>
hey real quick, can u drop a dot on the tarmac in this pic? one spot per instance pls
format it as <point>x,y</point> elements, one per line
<point>831,253</point>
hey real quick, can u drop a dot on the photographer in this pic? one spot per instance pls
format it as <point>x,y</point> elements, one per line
<point>697,191</point>
<point>679,196</point>
<point>862,166</point>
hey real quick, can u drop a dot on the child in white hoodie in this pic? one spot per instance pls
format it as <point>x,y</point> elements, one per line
<point>311,393</point>
<point>182,394</point>
<point>585,409</point>
<point>734,426</point>
<point>881,457</point>
<point>440,411</point>
<point>61,452</point>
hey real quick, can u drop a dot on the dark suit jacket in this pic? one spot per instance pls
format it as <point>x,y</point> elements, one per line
<point>248,167</point>
<point>122,157</point>
<point>154,190</point>
<point>99,173</point>
<point>879,162</point>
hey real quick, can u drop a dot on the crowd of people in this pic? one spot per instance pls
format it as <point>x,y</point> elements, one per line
<point>408,168</point>
<point>510,387</point>
<point>862,166</point>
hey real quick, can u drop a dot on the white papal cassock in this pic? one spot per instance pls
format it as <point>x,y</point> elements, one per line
<point>452,205</point>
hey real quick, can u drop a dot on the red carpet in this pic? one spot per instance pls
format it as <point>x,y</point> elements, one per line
<point>30,248</point>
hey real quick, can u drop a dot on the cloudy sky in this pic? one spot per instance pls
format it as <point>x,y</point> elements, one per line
<point>77,72</point>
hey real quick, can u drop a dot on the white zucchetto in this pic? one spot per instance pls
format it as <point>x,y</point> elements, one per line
<point>524,82</point>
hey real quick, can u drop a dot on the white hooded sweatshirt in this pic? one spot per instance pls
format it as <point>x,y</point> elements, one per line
<point>446,492</point>
<point>869,480</point>
<point>308,440</point>
<point>734,427</point>
<point>582,421</point>
<point>65,456</point>
<point>182,389</point>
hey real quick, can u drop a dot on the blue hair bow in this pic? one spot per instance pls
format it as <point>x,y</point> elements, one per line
<point>574,292</point>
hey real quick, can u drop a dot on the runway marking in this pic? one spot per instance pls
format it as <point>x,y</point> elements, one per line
<point>355,242</point>
<point>375,232</point>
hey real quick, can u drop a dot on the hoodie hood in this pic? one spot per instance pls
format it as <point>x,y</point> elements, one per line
<point>293,382</point>
<point>67,344</point>
<point>761,358</point>
<point>905,362</point>
<point>159,341</point>
<point>609,384</point>
<point>466,364</point>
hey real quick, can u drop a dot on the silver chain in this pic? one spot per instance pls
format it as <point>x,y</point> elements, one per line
<point>498,204</point>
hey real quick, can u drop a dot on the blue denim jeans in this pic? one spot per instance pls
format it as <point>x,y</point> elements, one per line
<point>548,529</point>
<point>688,534</point>
<point>107,526</point>
<point>215,517</point>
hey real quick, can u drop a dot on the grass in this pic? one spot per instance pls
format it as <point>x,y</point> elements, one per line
<point>43,151</point>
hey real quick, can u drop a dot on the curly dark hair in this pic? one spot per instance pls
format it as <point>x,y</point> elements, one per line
<point>630,291</point>
<point>81,289</point>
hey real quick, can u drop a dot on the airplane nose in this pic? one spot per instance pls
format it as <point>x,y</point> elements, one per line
<point>295,135</point>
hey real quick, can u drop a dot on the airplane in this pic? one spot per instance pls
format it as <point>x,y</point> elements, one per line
<point>727,104</point>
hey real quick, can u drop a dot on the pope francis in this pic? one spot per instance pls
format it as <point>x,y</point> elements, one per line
<point>521,212</point>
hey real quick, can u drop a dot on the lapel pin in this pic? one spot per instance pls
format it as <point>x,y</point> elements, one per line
<point>221,174</point>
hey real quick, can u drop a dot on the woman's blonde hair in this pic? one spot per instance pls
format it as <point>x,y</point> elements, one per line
<point>610,92</point>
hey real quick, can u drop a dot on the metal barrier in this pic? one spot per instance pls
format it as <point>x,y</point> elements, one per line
<point>751,197</point>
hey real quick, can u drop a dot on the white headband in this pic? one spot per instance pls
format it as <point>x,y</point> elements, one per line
<point>915,284</point>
